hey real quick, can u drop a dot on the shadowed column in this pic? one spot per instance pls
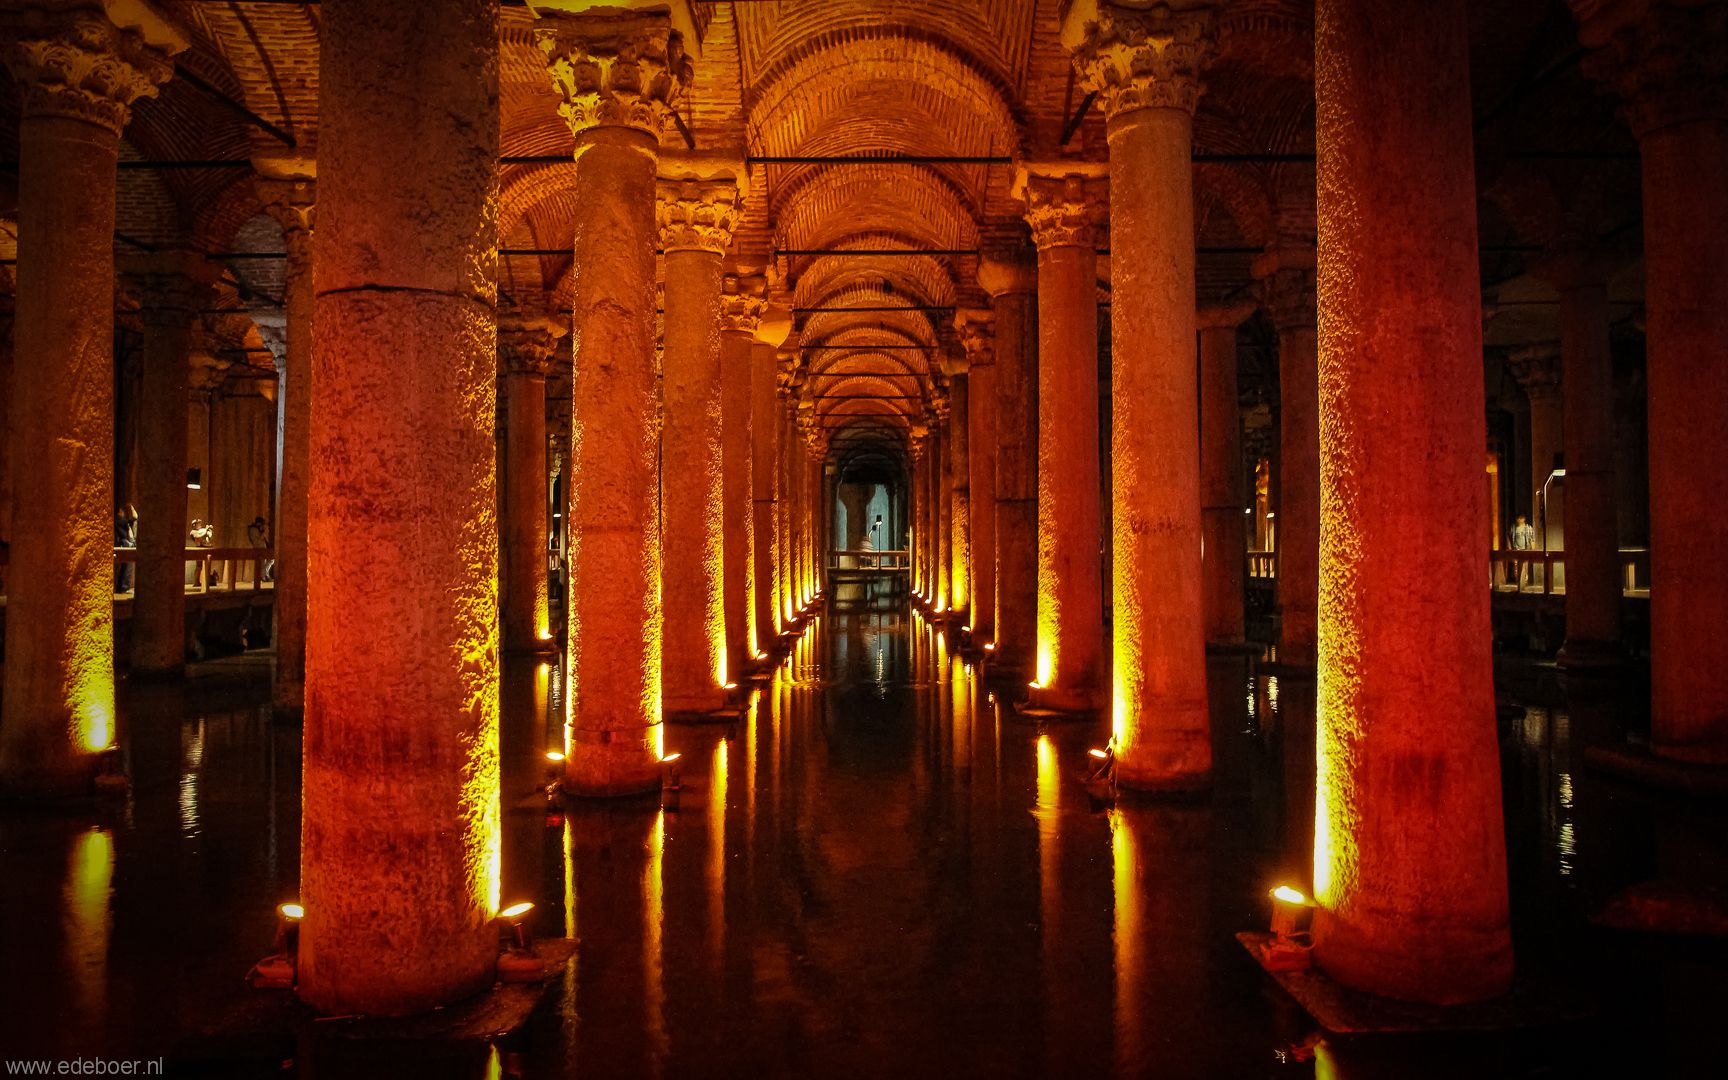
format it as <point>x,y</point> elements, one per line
<point>1224,546</point>
<point>614,613</point>
<point>1012,284</point>
<point>1666,62</point>
<point>1409,847</point>
<point>765,448</point>
<point>1063,211</point>
<point>976,335</point>
<point>1286,277</point>
<point>400,846</point>
<point>1145,66</point>
<point>525,348</point>
<point>78,75</point>
<point>741,305</point>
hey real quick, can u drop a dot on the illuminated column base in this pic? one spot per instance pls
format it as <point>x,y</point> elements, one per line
<point>1012,283</point>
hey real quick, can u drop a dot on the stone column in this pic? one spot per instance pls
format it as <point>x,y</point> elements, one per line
<point>741,306</point>
<point>916,441</point>
<point>765,446</point>
<point>1012,283</point>
<point>942,502</point>
<point>1286,277</point>
<point>173,288</point>
<point>78,74</point>
<point>1062,211</point>
<point>1537,369</point>
<point>620,78</point>
<point>1409,849</point>
<point>788,503</point>
<point>400,831</point>
<point>696,221</point>
<point>290,199</point>
<point>1224,545</point>
<point>976,336</point>
<point>959,469</point>
<point>525,348</point>
<point>1668,64</point>
<point>1146,66</point>
<point>1593,589</point>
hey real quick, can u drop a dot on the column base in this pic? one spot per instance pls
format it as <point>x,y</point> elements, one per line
<point>612,764</point>
<point>1407,957</point>
<point>73,787</point>
<point>1056,700</point>
<point>1586,656</point>
<point>709,706</point>
<point>1156,781</point>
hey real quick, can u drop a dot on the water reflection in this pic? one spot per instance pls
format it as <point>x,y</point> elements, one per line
<point>89,920</point>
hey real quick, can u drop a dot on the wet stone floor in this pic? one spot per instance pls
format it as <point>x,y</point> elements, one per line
<point>879,870</point>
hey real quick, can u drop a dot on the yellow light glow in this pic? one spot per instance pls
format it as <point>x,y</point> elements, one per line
<point>667,759</point>
<point>653,927</point>
<point>1097,753</point>
<point>516,910</point>
<point>730,686</point>
<point>989,646</point>
<point>554,755</point>
<point>1046,669</point>
<point>1130,958</point>
<point>89,920</point>
<point>291,911</point>
<point>1288,895</point>
<point>1049,779</point>
<point>717,782</point>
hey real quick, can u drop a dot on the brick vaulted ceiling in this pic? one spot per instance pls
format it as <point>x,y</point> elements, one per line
<point>816,79</point>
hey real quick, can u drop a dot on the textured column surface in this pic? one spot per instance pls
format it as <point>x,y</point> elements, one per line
<point>942,497</point>
<point>1593,523</point>
<point>976,336</point>
<point>291,203</point>
<point>959,468</point>
<point>78,75</point>
<point>788,499</point>
<point>1669,68</point>
<point>615,737</point>
<point>400,835</point>
<point>917,440</point>
<point>1409,847</point>
<point>741,306</point>
<point>525,348</point>
<point>1287,290</point>
<point>1146,66</point>
<point>1223,526</point>
<point>1068,669</point>
<point>1012,285</point>
<point>173,289</point>
<point>696,221</point>
<point>765,441</point>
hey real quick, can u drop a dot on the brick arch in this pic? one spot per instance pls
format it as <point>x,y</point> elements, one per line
<point>917,202</point>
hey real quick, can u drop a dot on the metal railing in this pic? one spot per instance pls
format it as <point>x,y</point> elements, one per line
<point>214,569</point>
<point>1263,565</point>
<point>866,559</point>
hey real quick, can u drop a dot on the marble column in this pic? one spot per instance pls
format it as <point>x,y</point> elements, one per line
<point>400,833</point>
<point>1286,279</point>
<point>741,306</point>
<point>696,221</point>
<point>765,448</point>
<point>290,199</point>
<point>1063,211</point>
<point>613,701</point>
<point>1224,545</point>
<point>173,288</point>
<point>526,344</point>
<point>976,337</point>
<point>1409,847</point>
<point>78,75</point>
<point>959,470</point>
<point>1537,369</point>
<point>1011,283</point>
<point>1145,65</point>
<point>1593,590</point>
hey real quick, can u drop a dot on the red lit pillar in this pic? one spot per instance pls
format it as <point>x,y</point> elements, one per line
<point>1224,543</point>
<point>1062,211</point>
<point>1011,283</point>
<point>613,701</point>
<point>741,305</point>
<point>525,347</point>
<point>1409,849</point>
<point>78,75</point>
<point>1286,277</point>
<point>173,289</point>
<point>958,466</point>
<point>975,336</point>
<point>400,845</point>
<point>1666,63</point>
<point>916,448</point>
<point>289,198</point>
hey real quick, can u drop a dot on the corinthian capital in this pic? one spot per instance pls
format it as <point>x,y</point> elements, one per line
<point>697,215</point>
<point>741,304</point>
<point>1669,65</point>
<point>623,70</point>
<point>89,61</point>
<point>526,343</point>
<point>1063,210</point>
<point>977,334</point>
<point>1143,58</point>
<point>291,203</point>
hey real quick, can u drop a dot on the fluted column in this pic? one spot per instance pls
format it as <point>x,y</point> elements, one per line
<point>1012,285</point>
<point>696,220</point>
<point>78,74</point>
<point>619,79</point>
<point>173,288</point>
<point>1224,545</point>
<point>401,718</point>
<point>525,348</point>
<point>765,492</point>
<point>1063,211</point>
<point>1409,848</point>
<point>1286,277</point>
<point>741,307</point>
<point>976,337</point>
<point>291,201</point>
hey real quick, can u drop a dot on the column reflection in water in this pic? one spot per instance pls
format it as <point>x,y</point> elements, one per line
<point>191,763</point>
<point>523,719</point>
<point>1048,811</point>
<point>717,781</point>
<point>1127,934</point>
<point>89,922</point>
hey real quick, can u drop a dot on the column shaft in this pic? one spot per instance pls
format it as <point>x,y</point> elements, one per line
<point>1593,524</point>
<point>288,531</point>
<point>960,497</point>
<point>738,507</point>
<point>401,717</point>
<point>1015,312</point>
<point>1409,851</point>
<point>527,600</point>
<point>765,441</point>
<point>1224,545</point>
<point>981,400</point>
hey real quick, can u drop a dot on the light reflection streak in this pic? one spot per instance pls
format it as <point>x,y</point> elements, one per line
<point>653,930</point>
<point>717,851</point>
<point>89,921</point>
<point>191,764</point>
<point>1126,938</point>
